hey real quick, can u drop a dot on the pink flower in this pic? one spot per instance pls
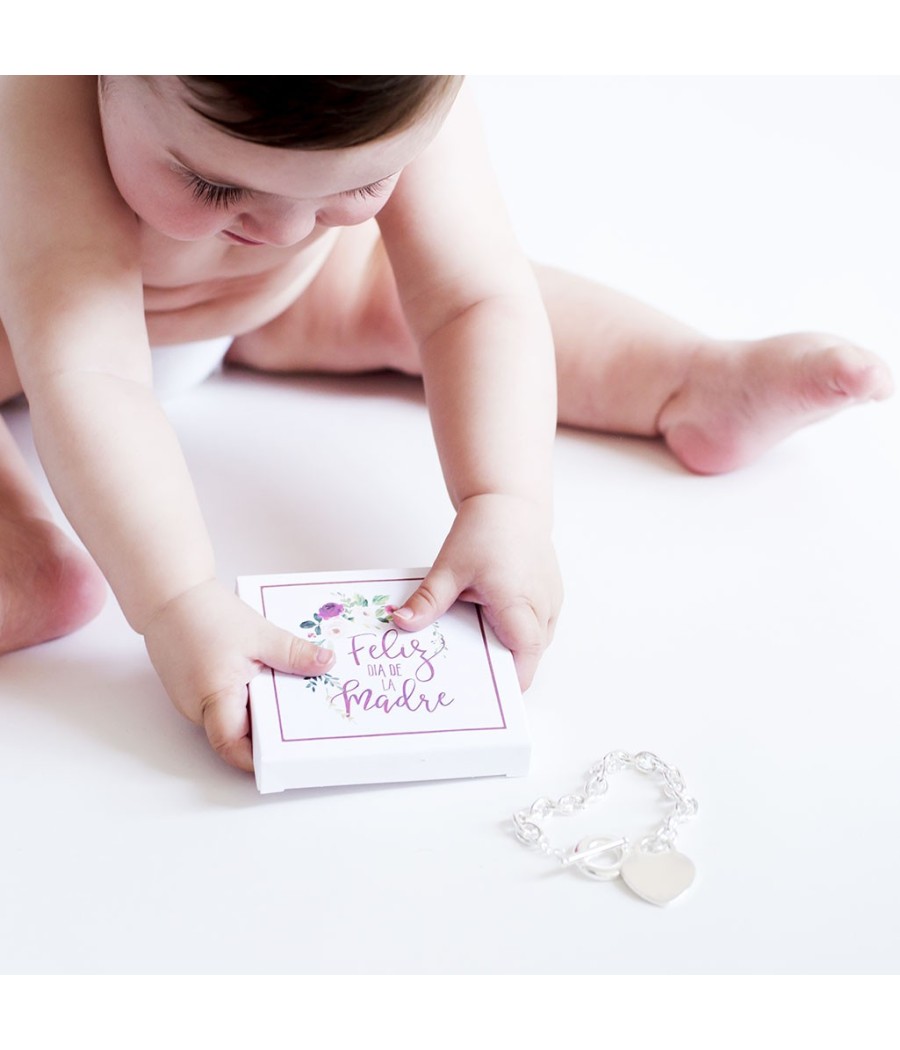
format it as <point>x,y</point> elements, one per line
<point>331,609</point>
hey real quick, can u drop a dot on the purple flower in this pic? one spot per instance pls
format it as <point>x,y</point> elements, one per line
<point>331,609</point>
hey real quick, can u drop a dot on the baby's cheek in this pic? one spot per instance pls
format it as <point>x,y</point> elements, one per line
<point>182,222</point>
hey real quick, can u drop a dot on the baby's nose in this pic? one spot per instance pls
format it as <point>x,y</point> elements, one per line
<point>281,228</point>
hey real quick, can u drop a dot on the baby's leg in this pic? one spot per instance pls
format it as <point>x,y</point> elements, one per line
<point>625,368</point>
<point>348,320</point>
<point>622,367</point>
<point>48,586</point>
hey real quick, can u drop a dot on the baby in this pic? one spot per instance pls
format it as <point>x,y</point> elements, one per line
<point>338,224</point>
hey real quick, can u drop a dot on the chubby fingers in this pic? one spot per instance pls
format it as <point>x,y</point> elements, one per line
<point>226,720</point>
<point>284,651</point>
<point>225,715</point>
<point>516,622</point>
<point>431,599</point>
<point>524,633</point>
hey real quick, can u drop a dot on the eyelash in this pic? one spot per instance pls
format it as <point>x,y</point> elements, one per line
<point>213,195</point>
<point>376,189</point>
<point>224,196</point>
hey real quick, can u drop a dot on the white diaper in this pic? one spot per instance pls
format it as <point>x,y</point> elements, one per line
<point>179,368</point>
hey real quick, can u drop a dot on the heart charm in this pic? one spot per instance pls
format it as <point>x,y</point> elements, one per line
<point>658,877</point>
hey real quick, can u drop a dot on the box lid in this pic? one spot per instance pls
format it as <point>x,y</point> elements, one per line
<point>396,705</point>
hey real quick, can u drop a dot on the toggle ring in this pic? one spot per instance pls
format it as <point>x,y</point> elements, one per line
<point>604,859</point>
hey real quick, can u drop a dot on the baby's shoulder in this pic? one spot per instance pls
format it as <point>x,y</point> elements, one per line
<point>51,134</point>
<point>53,156</point>
<point>37,108</point>
<point>61,214</point>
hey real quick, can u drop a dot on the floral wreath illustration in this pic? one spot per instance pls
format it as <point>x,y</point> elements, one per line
<point>346,615</point>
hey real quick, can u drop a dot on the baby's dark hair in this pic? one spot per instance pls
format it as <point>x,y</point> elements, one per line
<point>316,112</point>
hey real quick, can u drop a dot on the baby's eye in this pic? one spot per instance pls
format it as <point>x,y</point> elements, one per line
<point>212,194</point>
<point>374,189</point>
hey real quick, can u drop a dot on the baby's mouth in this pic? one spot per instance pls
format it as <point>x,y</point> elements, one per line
<point>241,240</point>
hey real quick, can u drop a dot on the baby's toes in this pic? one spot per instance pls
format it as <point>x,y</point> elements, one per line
<point>842,371</point>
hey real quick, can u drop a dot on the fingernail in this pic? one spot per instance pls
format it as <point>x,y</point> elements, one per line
<point>402,614</point>
<point>324,656</point>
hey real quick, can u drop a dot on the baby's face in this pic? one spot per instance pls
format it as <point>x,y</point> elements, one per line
<point>190,180</point>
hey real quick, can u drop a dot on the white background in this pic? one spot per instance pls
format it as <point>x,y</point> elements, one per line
<point>742,627</point>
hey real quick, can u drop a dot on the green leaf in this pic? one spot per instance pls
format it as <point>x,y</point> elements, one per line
<point>307,625</point>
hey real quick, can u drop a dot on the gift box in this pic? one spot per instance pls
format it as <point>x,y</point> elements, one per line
<point>395,705</point>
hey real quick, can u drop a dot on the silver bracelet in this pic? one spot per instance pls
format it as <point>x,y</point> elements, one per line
<point>652,868</point>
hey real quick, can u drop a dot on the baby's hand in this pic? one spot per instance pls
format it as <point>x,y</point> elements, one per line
<point>498,554</point>
<point>206,645</point>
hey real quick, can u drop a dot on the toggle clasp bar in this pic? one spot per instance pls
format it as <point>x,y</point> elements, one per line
<point>600,846</point>
<point>585,853</point>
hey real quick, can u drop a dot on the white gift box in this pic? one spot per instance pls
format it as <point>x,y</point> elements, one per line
<point>395,705</point>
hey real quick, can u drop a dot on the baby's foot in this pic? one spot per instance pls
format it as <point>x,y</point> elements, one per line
<point>738,399</point>
<point>48,586</point>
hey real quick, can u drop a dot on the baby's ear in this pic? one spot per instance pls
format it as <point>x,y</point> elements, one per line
<point>431,599</point>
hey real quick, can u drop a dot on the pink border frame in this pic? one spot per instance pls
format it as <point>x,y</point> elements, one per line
<point>368,736</point>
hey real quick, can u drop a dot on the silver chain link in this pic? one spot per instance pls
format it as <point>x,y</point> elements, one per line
<point>530,833</point>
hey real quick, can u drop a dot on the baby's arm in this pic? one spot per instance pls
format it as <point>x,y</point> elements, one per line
<point>71,299</point>
<point>487,357</point>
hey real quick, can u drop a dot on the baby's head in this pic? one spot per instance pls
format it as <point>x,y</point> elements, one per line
<point>316,113</point>
<point>265,160</point>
